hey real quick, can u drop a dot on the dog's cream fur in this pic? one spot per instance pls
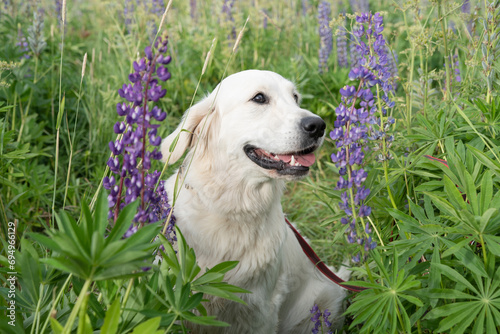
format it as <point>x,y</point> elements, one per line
<point>228,207</point>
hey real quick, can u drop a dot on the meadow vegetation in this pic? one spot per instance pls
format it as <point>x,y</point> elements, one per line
<point>415,214</point>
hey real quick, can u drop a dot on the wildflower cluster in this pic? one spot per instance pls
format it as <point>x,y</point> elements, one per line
<point>22,44</point>
<point>357,123</point>
<point>359,6</point>
<point>454,65</point>
<point>325,35</point>
<point>342,56</point>
<point>131,160</point>
<point>36,40</point>
<point>320,320</point>
<point>227,9</point>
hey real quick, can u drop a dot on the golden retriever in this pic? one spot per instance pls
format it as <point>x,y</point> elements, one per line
<point>246,139</point>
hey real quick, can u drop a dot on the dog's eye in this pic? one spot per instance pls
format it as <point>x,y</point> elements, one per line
<point>296,98</point>
<point>260,98</point>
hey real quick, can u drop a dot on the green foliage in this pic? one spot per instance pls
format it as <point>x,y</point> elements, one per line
<point>87,252</point>
<point>437,227</point>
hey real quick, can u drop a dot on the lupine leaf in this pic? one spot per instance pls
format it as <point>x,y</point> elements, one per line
<point>454,275</point>
<point>486,193</point>
<point>123,222</point>
<point>453,194</point>
<point>149,326</point>
<point>112,318</point>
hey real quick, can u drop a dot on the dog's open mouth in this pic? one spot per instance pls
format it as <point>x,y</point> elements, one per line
<point>293,163</point>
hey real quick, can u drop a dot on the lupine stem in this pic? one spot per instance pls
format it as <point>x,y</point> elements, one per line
<point>79,303</point>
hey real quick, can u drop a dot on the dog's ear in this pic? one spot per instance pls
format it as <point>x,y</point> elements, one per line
<point>184,137</point>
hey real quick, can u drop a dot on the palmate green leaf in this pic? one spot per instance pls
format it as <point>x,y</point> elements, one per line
<point>479,323</point>
<point>448,294</point>
<point>486,218</point>
<point>67,225</point>
<point>223,267</point>
<point>460,321</point>
<point>368,312</point>
<point>470,190</point>
<point>57,328</point>
<point>222,290</point>
<point>209,278</point>
<point>453,275</point>
<point>87,223</point>
<point>192,301</point>
<point>456,247</point>
<point>486,194</point>
<point>492,165</point>
<point>66,265</point>
<point>98,258</point>
<point>467,257</point>
<point>123,222</point>
<point>382,305</point>
<point>112,318</point>
<point>204,320</point>
<point>449,309</point>
<point>443,205</point>
<point>492,243</point>
<point>454,194</point>
<point>100,214</point>
<point>187,260</point>
<point>125,270</point>
<point>149,326</point>
<point>30,271</point>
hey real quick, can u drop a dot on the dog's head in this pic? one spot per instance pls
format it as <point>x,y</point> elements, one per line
<point>252,121</point>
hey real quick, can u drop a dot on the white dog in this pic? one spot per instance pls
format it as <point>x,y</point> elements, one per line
<point>246,138</point>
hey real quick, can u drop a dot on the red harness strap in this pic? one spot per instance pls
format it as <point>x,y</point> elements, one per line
<point>314,258</point>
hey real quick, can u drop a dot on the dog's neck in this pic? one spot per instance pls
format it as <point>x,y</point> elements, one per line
<point>225,220</point>
<point>241,196</point>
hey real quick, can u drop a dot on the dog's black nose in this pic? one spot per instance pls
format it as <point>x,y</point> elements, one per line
<point>313,126</point>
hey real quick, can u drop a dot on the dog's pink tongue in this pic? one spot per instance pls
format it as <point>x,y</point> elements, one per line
<point>305,160</point>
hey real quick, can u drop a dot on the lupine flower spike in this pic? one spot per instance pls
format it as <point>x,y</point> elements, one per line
<point>342,48</point>
<point>325,35</point>
<point>357,123</point>
<point>131,160</point>
<point>320,320</point>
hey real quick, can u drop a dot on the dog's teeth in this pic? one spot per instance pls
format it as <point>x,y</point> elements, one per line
<point>292,162</point>
<point>276,158</point>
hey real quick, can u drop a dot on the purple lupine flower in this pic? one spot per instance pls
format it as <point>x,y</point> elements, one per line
<point>264,20</point>
<point>359,6</point>
<point>22,43</point>
<point>465,9</point>
<point>353,51</point>
<point>128,10</point>
<point>133,180</point>
<point>192,9</point>
<point>6,5</point>
<point>453,65</point>
<point>36,40</point>
<point>456,68</point>
<point>316,318</point>
<point>325,35</point>
<point>227,9</point>
<point>355,121</point>
<point>58,9</point>
<point>156,7</point>
<point>305,7</point>
<point>320,320</point>
<point>342,48</point>
<point>326,321</point>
